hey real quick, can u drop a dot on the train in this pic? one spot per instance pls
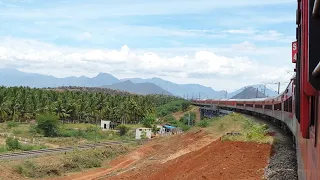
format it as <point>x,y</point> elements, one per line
<point>296,109</point>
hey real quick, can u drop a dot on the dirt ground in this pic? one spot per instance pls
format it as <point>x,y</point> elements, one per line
<point>186,156</point>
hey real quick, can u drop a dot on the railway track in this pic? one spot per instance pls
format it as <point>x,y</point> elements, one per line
<point>25,154</point>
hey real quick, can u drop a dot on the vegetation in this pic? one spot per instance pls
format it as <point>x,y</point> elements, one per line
<point>123,129</point>
<point>248,129</point>
<point>73,161</point>
<point>171,107</point>
<point>185,119</point>
<point>48,124</point>
<point>169,119</point>
<point>149,121</point>
<point>24,104</point>
<point>14,145</point>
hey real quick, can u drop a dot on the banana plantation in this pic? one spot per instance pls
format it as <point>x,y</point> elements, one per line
<point>23,104</point>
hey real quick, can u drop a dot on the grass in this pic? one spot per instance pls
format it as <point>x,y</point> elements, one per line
<point>250,131</point>
<point>71,134</point>
<point>71,162</point>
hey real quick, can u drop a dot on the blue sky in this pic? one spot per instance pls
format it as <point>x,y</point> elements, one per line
<point>122,36</point>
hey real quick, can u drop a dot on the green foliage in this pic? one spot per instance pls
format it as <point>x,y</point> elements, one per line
<point>13,144</point>
<point>123,129</point>
<point>48,124</point>
<point>149,121</point>
<point>251,131</point>
<point>203,123</point>
<point>80,104</point>
<point>169,119</point>
<point>185,118</point>
<point>171,107</point>
<point>76,160</point>
<point>11,124</point>
<point>185,105</point>
<point>3,149</point>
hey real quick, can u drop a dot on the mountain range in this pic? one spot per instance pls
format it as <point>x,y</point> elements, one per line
<point>14,77</point>
<point>249,93</point>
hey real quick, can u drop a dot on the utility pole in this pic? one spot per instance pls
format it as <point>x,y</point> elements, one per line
<point>226,95</point>
<point>257,93</point>
<point>278,87</point>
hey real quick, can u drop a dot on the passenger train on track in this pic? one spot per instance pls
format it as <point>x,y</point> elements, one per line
<point>296,110</point>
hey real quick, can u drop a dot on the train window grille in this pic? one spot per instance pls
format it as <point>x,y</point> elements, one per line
<point>286,105</point>
<point>268,106</point>
<point>277,107</point>
<point>290,104</point>
<point>238,104</point>
<point>258,106</point>
<point>249,105</point>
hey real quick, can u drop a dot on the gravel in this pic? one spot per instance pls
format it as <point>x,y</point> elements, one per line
<point>283,162</point>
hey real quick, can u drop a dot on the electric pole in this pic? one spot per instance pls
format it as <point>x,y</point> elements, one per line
<point>278,87</point>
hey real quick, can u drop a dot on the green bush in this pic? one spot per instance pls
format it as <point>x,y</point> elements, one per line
<point>203,123</point>
<point>149,121</point>
<point>185,105</point>
<point>123,129</point>
<point>11,124</point>
<point>173,106</point>
<point>185,118</point>
<point>3,149</point>
<point>48,124</point>
<point>13,144</point>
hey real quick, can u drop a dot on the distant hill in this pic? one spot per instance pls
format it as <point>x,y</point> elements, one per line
<point>13,77</point>
<point>138,88</point>
<point>260,87</point>
<point>182,90</point>
<point>249,93</point>
<point>88,89</point>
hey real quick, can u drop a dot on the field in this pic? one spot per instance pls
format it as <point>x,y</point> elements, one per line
<point>75,134</point>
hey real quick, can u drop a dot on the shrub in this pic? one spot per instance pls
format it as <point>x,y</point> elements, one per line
<point>149,121</point>
<point>185,105</point>
<point>48,124</point>
<point>123,129</point>
<point>203,123</point>
<point>11,124</point>
<point>13,144</point>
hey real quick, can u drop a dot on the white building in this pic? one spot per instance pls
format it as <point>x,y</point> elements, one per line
<point>105,124</point>
<point>141,131</point>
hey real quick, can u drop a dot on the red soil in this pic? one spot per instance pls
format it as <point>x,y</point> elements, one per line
<point>186,156</point>
<point>219,160</point>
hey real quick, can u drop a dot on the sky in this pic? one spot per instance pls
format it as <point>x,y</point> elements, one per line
<point>221,44</point>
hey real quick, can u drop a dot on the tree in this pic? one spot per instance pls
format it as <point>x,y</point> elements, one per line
<point>48,124</point>
<point>149,121</point>
<point>185,105</point>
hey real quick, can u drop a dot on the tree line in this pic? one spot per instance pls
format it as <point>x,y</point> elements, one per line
<point>24,104</point>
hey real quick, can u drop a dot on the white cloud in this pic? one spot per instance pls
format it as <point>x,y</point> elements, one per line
<point>202,65</point>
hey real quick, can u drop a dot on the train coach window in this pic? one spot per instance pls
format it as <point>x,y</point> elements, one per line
<point>239,104</point>
<point>249,105</point>
<point>290,104</point>
<point>268,106</point>
<point>278,107</point>
<point>258,106</point>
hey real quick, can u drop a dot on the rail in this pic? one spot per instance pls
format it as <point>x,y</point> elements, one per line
<point>316,8</point>
<point>316,71</point>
